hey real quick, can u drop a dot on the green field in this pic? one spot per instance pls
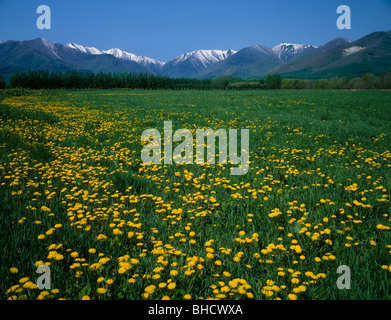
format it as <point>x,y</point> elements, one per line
<point>76,197</point>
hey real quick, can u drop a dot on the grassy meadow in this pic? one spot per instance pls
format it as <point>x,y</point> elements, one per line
<point>75,196</point>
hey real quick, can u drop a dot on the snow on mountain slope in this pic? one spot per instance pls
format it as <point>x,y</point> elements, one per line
<point>205,57</point>
<point>118,53</point>
<point>187,63</point>
<point>351,50</point>
<point>49,45</point>
<point>199,59</point>
<point>121,54</point>
<point>287,51</point>
<point>88,50</point>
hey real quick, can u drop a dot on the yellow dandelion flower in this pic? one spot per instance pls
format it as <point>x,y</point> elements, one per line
<point>292,296</point>
<point>101,290</point>
<point>171,286</point>
<point>14,270</point>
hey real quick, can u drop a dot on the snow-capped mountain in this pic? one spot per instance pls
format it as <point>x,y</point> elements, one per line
<point>191,63</point>
<point>186,64</point>
<point>251,62</point>
<point>73,56</point>
<point>44,54</point>
<point>151,65</point>
<point>239,63</point>
<point>252,54</point>
<point>205,57</point>
<point>286,51</point>
<point>121,54</point>
<point>118,53</point>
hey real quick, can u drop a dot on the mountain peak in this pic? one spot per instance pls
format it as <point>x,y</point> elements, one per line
<point>205,57</point>
<point>287,51</point>
<point>122,54</point>
<point>41,39</point>
<point>43,45</point>
<point>335,42</point>
<point>190,63</point>
<point>45,42</point>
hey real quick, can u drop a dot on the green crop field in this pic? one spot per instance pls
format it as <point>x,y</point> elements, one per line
<point>75,196</point>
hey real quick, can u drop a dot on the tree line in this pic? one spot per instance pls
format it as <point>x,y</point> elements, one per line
<point>368,81</point>
<point>44,79</point>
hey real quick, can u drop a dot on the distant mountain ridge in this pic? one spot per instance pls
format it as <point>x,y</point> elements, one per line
<point>339,57</point>
<point>288,51</point>
<point>189,64</point>
<point>342,57</point>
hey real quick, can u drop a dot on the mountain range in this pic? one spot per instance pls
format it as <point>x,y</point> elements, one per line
<point>339,57</point>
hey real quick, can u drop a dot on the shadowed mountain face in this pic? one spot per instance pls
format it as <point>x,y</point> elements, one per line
<point>339,57</point>
<point>43,54</point>
<point>242,63</point>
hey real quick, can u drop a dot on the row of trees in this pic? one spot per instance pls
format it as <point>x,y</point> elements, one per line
<point>367,81</point>
<point>44,79</point>
<point>80,80</point>
<point>272,81</point>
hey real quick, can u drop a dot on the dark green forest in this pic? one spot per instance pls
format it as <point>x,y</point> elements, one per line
<point>44,79</point>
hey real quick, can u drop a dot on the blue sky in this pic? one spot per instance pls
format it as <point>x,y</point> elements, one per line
<point>167,28</point>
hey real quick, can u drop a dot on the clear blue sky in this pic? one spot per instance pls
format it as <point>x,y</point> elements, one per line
<point>163,29</point>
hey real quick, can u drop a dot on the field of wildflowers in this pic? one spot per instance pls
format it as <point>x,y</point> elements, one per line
<point>75,196</point>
